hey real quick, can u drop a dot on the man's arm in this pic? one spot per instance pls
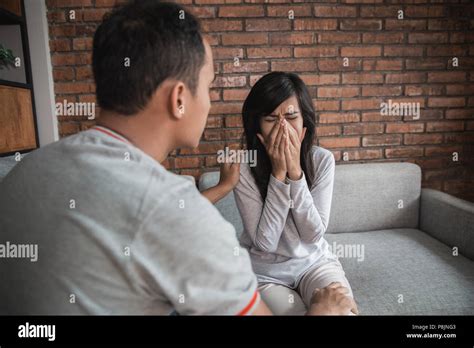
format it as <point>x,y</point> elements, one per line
<point>229,177</point>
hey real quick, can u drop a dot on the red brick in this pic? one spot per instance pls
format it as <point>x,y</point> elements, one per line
<point>291,38</point>
<point>400,152</point>
<point>210,25</point>
<point>445,126</point>
<point>339,37</point>
<point>370,91</point>
<point>447,76</point>
<point>244,39</point>
<point>283,11</point>
<point>245,66</point>
<point>267,24</point>
<point>335,11</point>
<point>361,104</point>
<point>421,139</point>
<point>424,11</point>
<point>241,11</point>
<point>361,78</point>
<point>236,94</point>
<point>446,102</point>
<point>81,44</point>
<point>322,131</point>
<point>361,24</point>
<point>319,51</point>
<point>269,52</point>
<point>331,117</point>
<point>383,64</point>
<point>385,38</point>
<point>411,77</point>
<point>186,162</point>
<point>338,64</point>
<point>417,38</point>
<point>227,52</point>
<point>225,108</point>
<point>405,24</point>
<point>405,127</point>
<point>291,65</point>
<point>365,51</point>
<point>315,24</point>
<point>339,142</point>
<point>405,51</point>
<point>326,105</point>
<point>320,79</point>
<point>230,81</point>
<point>379,11</point>
<point>363,128</point>
<point>460,113</point>
<point>338,92</point>
<point>63,74</point>
<point>381,140</point>
<point>425,64</point>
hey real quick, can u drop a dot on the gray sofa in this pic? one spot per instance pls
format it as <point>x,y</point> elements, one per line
<point>407,235</point>
<point>405,250</point>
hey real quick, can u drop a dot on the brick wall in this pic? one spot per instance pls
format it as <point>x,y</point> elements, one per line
<point>405,60</point>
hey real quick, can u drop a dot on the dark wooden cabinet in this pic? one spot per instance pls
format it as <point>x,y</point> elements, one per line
<point>18,129</point>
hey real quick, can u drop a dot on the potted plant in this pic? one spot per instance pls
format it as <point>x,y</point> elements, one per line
<point>7,59</point>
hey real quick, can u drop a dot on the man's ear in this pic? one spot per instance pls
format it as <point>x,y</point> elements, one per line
<point>177,100</point>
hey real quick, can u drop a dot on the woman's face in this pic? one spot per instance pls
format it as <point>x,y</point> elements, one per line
<point>288,110</point>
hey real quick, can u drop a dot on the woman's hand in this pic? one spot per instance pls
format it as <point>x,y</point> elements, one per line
<point>292,152</point>
<point>275,147</point>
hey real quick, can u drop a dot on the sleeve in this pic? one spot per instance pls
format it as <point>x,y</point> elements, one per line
<point>187,255</point>
<point>311,208</point>
<point>264,222</point>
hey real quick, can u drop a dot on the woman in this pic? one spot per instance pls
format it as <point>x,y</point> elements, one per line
<point>285,199</point>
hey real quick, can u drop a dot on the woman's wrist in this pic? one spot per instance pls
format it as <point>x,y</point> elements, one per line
<point>279,175</point>
<point>295,174</point>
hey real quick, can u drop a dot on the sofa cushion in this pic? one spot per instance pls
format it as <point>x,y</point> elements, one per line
<point>410,263</point>
<point>375,196</point>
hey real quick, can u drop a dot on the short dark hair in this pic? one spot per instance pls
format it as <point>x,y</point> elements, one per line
<point>161,40</point>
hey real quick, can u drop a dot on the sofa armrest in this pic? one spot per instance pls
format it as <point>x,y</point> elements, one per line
<point>448,219</point>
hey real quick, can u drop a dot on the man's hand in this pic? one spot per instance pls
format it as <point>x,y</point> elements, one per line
<point>229,178</point>
<point>229,175</point>
<point>332,300</point>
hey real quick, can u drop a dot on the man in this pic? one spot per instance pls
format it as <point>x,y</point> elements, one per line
<point>116,232</point>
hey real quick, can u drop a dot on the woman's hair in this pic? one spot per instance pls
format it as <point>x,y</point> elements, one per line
<point>265,96</point>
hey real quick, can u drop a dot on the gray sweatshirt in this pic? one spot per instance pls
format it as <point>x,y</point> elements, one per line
<point>284,233</point>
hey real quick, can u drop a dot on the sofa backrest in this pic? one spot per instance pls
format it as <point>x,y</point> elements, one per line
<point>226,206</point>
<point>367,197</point>
<point>6,164</point>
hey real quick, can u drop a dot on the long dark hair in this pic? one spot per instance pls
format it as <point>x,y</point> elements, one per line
<point>265,96</point>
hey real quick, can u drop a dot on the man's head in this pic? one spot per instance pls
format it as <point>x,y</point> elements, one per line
<point>149,58</point>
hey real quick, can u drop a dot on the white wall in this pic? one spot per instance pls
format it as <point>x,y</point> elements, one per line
<point>42,72</point>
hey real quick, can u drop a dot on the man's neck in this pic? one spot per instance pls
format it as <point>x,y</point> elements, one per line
<point>155,143</point>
